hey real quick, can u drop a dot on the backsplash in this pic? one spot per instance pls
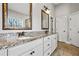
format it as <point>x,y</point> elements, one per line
<point>3,36</point>
<point>8,36</point>
<point>34,33</point>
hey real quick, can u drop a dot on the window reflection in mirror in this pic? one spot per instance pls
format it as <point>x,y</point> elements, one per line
<point>17,16</point>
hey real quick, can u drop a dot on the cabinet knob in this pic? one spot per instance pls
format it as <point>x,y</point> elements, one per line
<point>70,28</point>
<point>78,32</point>
<point>31,53</point>
<point>48,38</point>
<point>48,44</point>
<point>64,31</point>
<point>48,53</point>
<point>70,39</point>
<point>54,38</point>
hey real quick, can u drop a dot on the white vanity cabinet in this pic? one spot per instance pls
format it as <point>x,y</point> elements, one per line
<point>54,42</point>
<point>50,44</point>
<point>47,46</point>
<point>27,48</point>
<point>43,46</point>
<point>3,52</point>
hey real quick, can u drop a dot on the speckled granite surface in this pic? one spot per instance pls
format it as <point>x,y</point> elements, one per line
<point>12,42</point>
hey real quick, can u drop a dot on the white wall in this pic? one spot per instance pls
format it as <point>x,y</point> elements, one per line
<point>61,9</point>
<point>36,17</point>
<point>66,9</point>
<point>74,7</point>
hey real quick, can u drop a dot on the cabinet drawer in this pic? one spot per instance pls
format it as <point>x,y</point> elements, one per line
<point>47,45</point>
<point>48,52</point>
<point>48,38</point>
<point>54,36</point>
<point>37,51</point>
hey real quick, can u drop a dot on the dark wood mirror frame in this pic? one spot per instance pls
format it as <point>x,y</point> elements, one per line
<point>5,16</point>
<point>45,28</point>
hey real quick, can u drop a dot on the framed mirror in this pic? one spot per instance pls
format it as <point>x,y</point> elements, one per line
<point>44,20</point>
<point>17,16</point>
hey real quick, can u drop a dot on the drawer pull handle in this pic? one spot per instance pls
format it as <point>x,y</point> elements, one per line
<point>55,38</point>
<point>32,52</point>
<point>48,38</point>
<point>48,44</point>
<point>48,53</point>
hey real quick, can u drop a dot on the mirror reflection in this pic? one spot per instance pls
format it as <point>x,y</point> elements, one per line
<point>18,16</point>
<point>44,20</point>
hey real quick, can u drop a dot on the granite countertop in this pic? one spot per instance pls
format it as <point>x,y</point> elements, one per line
<point>10,43</point>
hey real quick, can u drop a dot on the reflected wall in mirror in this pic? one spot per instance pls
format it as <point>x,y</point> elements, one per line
<point>44,20</point>
<point>17,16</point>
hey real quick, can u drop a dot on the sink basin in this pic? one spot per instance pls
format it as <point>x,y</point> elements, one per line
<point>24,38</point>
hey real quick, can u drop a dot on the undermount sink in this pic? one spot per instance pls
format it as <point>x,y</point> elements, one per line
<point>24,38</point>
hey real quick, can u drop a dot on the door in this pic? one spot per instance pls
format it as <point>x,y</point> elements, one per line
<point>61,28</point>
<point>74,29</point>
<point>54,42</point>
<point>47,43</point>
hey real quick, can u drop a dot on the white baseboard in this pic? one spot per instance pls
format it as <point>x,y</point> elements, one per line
<point>69,43</point>
<point>65,42</point>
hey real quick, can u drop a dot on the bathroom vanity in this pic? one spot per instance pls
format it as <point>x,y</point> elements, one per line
<point>20,18</point>
<point>42,45</point>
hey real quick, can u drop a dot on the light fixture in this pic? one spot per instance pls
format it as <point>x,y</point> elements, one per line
<point>46,9</point>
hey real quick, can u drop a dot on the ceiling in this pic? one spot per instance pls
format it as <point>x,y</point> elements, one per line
<point>55,4</point>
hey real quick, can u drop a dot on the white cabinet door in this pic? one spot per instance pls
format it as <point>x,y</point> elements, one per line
<point>3,52</point>
<point>74,29</point>
<point>47,46</point>
<point>48,38</point>
<point>54,42</point>
<point>47,43</point>
<point>48,52</point>
<point>61,28</point>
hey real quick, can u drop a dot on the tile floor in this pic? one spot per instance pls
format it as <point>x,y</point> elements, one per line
<point>64,49</point>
